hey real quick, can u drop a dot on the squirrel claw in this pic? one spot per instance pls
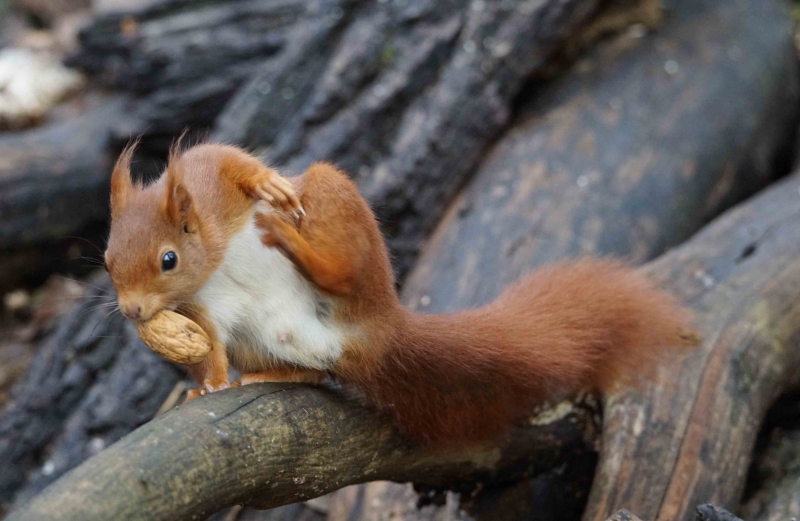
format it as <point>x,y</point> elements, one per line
<point>210,386</point>
<point>191,394</point>
<point>265,196</point>
<point>279,193</point>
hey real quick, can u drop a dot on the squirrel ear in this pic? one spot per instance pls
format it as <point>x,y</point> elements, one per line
<point>177,203</point>
<point>121,184</point>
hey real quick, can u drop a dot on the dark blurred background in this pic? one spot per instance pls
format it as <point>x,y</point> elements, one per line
<point>490,137</point>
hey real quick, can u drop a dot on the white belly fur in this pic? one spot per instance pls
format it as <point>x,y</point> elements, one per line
<point>266,311</point>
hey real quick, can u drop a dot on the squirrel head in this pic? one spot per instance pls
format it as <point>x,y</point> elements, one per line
<point>157,254</point>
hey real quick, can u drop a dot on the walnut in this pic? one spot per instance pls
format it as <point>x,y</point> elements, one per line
<point>175,338</point>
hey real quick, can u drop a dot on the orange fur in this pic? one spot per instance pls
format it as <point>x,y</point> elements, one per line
<point>586,324</point>
<point>285,373</point>
<point>201,200</point>
<point>579,325</point>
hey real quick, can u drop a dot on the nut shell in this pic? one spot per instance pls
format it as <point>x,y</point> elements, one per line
<point>175,338</point>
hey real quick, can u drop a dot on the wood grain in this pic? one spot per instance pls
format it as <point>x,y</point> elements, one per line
<point>273,444</point>
<point>688,439</point>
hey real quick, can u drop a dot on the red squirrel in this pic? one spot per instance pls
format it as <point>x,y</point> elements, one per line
<point>291,279</point>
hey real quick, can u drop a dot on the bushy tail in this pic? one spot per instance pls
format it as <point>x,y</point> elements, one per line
<point>596,323</point>
<point>586,324</point>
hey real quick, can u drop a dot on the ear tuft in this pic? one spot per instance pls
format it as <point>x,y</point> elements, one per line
<point>176,149</point>
<point>121,184</point>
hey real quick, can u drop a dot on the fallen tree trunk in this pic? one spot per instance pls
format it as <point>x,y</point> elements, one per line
<point>274,444</point>
<point>182,61</point>
<point>53,185</point>
<point>781,502</point>
<point>604,161</point>
<point>774,480</point>
<point>688,439</point>
<point>46,173</point>
<point>714,513</point>
<point>623,515</point>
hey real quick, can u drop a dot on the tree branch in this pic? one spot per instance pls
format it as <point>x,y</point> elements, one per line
<point>274,444</point>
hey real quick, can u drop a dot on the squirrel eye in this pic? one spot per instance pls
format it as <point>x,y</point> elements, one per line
<point>168,261</point>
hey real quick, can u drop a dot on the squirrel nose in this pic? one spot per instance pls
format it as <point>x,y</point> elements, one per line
<point>132,311</point>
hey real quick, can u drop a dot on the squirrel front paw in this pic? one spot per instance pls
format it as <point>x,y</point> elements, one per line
<point>209,386</point>
<point>279,192</point>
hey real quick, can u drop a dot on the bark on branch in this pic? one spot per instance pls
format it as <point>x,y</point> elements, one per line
<point>689,439</point>
<point>274,444</point>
